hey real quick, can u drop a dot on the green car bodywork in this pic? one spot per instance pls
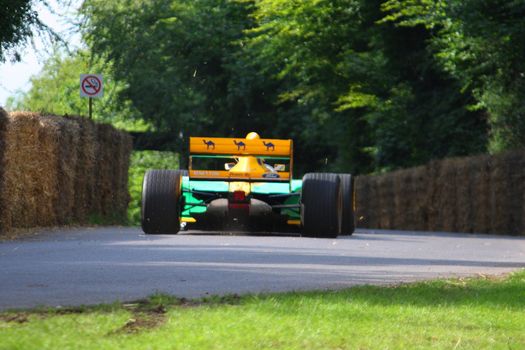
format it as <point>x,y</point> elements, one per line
<point>193,205</point>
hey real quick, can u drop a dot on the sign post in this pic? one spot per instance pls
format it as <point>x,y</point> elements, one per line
<point>91,86</point>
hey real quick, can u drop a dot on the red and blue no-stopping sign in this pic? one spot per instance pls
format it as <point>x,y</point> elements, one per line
<point>91,85</point>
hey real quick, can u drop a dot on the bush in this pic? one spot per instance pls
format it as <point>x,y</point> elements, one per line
<point>140,162</point>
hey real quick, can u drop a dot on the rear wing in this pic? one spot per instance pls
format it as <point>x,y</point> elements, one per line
<point>240,146</point>
<point>209,157</point>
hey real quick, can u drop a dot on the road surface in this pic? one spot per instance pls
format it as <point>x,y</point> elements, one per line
<point>102,265</point>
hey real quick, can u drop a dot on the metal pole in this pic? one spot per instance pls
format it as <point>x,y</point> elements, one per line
<point>90,108</point>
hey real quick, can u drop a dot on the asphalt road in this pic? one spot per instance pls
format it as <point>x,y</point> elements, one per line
<point>85,266</point>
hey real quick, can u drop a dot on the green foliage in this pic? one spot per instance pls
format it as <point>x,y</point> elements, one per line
<point>370,95</point>
<point>360,85</point>
<point>140,162</point>
<point>20,23</point>
<point>482,313</point>
<point>479,42</point>
<point>56,90</point>
<point>491,59</point>
<point>17,18</point>
<point>107,220</point>
<point>174,56</point>
<point>410,13</point>
<point>315,52</point>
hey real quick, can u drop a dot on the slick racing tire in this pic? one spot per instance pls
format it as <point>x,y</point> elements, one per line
<point>347,189</point>
<point>321,205</point>
<point>161,202</point>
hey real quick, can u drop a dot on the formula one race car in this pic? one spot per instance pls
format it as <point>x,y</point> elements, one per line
<point>246,184</point>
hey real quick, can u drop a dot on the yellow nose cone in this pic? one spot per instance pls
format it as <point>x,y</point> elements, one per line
<point>253,136</point>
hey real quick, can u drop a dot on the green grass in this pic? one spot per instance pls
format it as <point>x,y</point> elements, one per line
<point>140,162</point>
<point>480,313</point>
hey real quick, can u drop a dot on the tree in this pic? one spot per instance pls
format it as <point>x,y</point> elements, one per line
<point>355,92</point>
<point>18,23</point>
<point>314,50</point>
<point>366,89</point>
<point>174,56</point>
<point>56,90</point>
<point>480,43</point>
<point>425,115</point>
<point>16,20</point>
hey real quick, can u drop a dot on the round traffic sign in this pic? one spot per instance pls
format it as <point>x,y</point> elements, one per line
<point>91,85</point>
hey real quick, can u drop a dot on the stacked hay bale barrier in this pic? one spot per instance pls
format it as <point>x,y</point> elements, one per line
<point>29,191</point>
<point>122,175</point>
<point>85,196</point>
<point>61,170</point>
<point>408,193</point>
<point>482,194</point>
<point>3,127</point>
<point>507,187</point>
<point>480,185</point>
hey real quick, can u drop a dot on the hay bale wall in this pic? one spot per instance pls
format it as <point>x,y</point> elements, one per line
<point>3,127</point>
<point>59,171</point>
<point>482,194</point>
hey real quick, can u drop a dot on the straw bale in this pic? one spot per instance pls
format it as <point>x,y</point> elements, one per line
<point>104,158</point>
<point>84,180</point>
<point>385,196</point>
<point>123,197</point>
<point>67,156</point>
<point>116,173</point>
<point>362,200</point>
<point>483,194</point>
<point>480,192</point>
<point>522,198</point>
<point>128,149</point>
<point>3,206</point>
<point>509,202</point>
<point>117,195</point>
<point>370,215</point>
<point>399,183</point>
<point>499,195</point>
<point>56,170</point>
<point>98,173</point>
<point>432,195</point>
<point>517,186</point>
<point>464,196</point>
<point>119,177</point>
<point>30,180</point>
<point>403,196</point>
<point>415,199</point>
<point>48,193</point>
<point>104,161</point>
<point>373,203</point>
<point>380,201</point>
<point>449,195</point>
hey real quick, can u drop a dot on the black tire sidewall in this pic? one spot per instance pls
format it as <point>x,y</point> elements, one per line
<point>321,205</point>
<point>347,189</point>
<point>161,202</point>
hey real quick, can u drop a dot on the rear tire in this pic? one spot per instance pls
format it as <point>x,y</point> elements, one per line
<point>161,202</point>
<point>347,188</point>
<point>321,205</point>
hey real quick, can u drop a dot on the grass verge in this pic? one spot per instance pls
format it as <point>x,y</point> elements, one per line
<point>479,313</point>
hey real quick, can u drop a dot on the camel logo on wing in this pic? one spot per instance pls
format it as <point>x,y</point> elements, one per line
<point>209,144</point>
<point>239,145</point>
<point>269,146</point>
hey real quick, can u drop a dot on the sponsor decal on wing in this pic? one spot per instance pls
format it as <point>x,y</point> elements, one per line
<point>271,175</point>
